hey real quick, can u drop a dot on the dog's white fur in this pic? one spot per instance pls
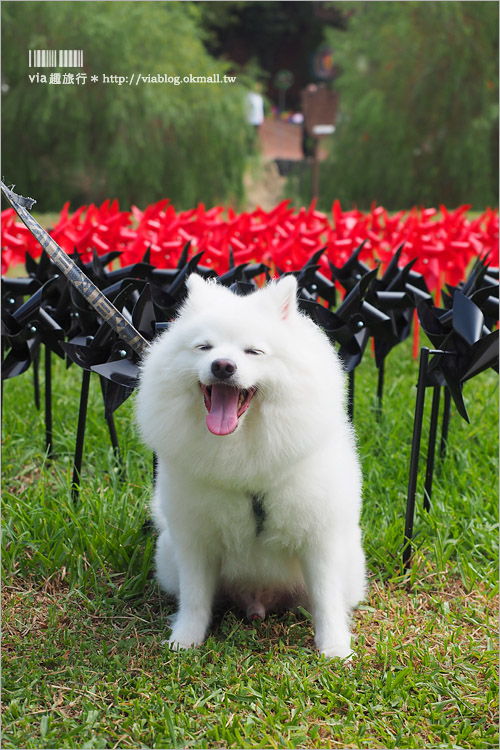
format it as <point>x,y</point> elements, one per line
<point>293,447</point>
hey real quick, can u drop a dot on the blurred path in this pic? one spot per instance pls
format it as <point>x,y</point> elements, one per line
<point>281,146</point>
<point>283,140</point>
<point>280,142</point>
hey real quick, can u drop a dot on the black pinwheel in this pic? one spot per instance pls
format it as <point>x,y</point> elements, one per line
<point>465,346</point>
<point>24,330</point>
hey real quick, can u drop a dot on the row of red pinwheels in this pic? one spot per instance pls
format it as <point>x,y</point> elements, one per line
<point>443,241</point>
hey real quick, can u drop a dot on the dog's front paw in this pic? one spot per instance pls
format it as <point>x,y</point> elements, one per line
<point>185,637</point>
<point>338,650</point>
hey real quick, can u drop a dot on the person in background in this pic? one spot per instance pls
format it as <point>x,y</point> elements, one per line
<point>255,108</point>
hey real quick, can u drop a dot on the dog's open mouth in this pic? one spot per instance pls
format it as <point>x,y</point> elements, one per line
<point>225,405</point>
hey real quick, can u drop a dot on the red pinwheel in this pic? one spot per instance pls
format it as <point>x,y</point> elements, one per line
<point>442,243</point>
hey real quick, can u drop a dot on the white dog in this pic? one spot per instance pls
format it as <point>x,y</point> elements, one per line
<point>258,491</point>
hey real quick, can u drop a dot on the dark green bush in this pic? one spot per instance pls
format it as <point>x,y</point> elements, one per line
<point>418,117</point>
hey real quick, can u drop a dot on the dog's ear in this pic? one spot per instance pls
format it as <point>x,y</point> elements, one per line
<point>285,294</point>
<point>195,284</point>
<point>197,288</point>
<point>200,293</point>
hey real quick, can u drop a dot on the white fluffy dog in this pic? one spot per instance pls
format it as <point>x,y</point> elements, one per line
<point>258,492</point>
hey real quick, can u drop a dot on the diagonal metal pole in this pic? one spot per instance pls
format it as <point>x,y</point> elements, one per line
<point>75,275</point>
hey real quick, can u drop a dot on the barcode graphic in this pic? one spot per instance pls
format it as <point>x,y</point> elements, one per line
<point>56,58</point>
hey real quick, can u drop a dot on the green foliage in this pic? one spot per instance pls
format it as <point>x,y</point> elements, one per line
<point>138,143</point>
<point>418,117</point>
<point>269,36</point>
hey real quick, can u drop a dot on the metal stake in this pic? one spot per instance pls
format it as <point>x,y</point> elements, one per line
<point>80,435</point>
<point>350,396</point>
<point>36,380</point>
<point>315,169</point>
<point>380,389</point>
<point>446,422</point>
<point>431,449</point>
<point>112,429</point>
<point>415,452</point>
<point>48,403</point>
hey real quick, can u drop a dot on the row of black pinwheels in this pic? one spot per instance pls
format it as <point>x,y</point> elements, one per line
<point>43,312</point>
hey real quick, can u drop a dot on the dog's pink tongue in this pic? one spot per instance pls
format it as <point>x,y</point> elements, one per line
<point>223,417</point>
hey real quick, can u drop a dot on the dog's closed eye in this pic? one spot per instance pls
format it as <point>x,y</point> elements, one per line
<point>204,347</point>
<point>255,352</point>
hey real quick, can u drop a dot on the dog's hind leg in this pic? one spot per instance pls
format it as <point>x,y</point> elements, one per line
<point>167,571</point>
<point>355,573</point>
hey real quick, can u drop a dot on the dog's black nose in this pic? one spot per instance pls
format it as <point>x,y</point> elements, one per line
<point>223,368</point>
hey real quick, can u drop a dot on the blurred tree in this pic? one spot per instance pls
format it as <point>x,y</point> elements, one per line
<point>418,105</point>
<point>273,35</point>
<point>139,143</point>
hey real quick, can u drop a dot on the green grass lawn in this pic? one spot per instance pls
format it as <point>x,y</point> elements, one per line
<point>84,659</point>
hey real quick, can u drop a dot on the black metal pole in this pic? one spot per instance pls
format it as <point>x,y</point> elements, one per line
<point>415,452</point>
<point>431,448</point>
<point>36,379</point>
<point>350,396</point>
<point>48,403</point>
<point>315,169</point>
<point>80,434</point>
<point>114,437</point>
<point>112,428</point>
<point>445,423</point>
<point>380,388</point>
